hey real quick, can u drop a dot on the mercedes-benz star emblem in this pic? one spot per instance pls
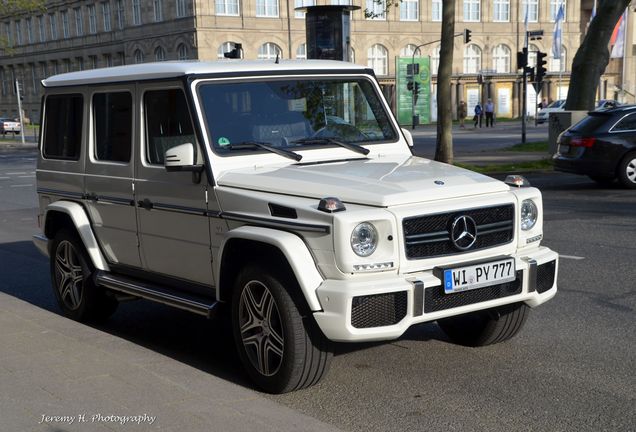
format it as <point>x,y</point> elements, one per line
<point>463,232</point>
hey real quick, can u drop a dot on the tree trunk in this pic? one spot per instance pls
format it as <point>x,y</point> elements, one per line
<point>592,57</point>
<point>444,149</point>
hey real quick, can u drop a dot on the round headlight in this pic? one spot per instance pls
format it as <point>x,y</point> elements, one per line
<point>529,214</point>
<point>364,239</point>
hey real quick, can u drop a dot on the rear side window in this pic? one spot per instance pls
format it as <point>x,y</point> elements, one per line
<point>168,123</point>
<point>112,117</point>
<point>628,123</point>
<point>63,126</point>
<point>590,123</point>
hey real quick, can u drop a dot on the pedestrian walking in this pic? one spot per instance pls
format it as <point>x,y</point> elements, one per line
<point>490,113</point>
<point>461,113</point>
<point>478,114</point>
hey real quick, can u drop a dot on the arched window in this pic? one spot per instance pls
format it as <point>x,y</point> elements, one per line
<point>269,51</point>
<point>160,54</point>
<point>472,59</point>
<point>559,65</point>
<point>301,52</point>
<point>407,51</point>
<point>182,52</point>
<point>532,55</point>
<point>377,59</point>
<point>435,60</point>
<point>226,47</point>
<point>139,56</point>
<point>501,59</point>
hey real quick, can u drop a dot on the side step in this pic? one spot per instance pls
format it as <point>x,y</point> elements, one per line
<point>182,300</point>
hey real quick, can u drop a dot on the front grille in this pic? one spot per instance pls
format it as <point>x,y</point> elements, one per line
<point>436,300</point>
<point>378,310</point>
<point>545,276</point>
<point>429,236</point>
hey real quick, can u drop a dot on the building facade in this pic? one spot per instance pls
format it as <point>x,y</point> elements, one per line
<point>84,34</point>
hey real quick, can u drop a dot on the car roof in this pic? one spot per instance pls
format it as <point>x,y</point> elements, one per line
<point>174,69</point>
<point>619,109</point>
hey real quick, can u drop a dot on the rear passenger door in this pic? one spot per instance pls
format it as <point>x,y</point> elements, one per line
<point>109,196</point>
<point>171,209</point>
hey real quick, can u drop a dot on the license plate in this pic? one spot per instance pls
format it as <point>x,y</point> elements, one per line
<point>479,275</point>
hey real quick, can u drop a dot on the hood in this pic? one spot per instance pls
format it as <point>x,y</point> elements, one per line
<point>381,182</point>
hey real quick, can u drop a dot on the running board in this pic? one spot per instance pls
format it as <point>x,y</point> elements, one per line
<point>178,299</point>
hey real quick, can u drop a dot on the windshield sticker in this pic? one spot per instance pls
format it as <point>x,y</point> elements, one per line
<point>298,105</point>
<point>222,141</point>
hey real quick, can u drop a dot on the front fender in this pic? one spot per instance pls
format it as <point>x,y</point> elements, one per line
<point>83,226</point>
<point>294,250</point>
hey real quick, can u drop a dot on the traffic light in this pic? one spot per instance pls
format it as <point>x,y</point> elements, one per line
<point>530,71</point>
<point>409,85</point>
<point>467,36</point>
<point>541,62</point>
<point>522,58</point>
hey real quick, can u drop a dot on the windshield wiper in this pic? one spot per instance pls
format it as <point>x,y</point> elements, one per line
<point>353,147</point>
<point>266,146</point>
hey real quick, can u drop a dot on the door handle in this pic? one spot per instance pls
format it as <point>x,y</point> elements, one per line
<point>145,203</point>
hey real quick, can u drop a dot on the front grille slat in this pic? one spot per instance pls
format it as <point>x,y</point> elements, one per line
<point>429,236</point>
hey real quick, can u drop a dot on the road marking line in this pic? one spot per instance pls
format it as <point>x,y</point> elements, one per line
<point>572,257</point>
<point>21,185</point>
<point>16,173</point>
<point>27,176</point>
<point>5,178</point>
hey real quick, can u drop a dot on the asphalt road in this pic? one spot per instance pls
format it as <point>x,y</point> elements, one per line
<point>571,368</point>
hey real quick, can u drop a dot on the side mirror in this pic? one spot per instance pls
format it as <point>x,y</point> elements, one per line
<point>408,137</point>
<point>181,158</point>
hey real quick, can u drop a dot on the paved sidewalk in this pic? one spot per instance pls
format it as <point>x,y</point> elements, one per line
<point>57,375</point>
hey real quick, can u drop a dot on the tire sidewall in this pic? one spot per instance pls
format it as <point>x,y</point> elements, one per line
<point>622,170</point>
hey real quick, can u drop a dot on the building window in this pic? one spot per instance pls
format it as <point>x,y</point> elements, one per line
<point>53,26</point>
<point>122,58</point>
<point>532,7</point>
<point>160,54</point>
<point>56,67</point>
<point>436,10</point>
<point>269,51</point>
<point>408,51</point>
<point>501,59</point>
<point>472,59</point>
<point>472,10</point>
<point>66,31</point>
<point>341,2</point>
<point>377,9</point>
<point>29,29</point>
<point>106,14</point>
<point>267,8</point>
<point>79,61</point>
<point>108,60</point>
<point>92,19</point>
<point>7,32</point>
<point>121,14</point>
<point>301,52</point>
<point>44,71</point>
<point>158,8</point>
<point>18,32</point>
<point>226,47</point>
<point>409,10</point>
<point>227,7</point>
<point>377,59</point>
<point>79,23</point>
<point>532,55</point>
<point>182,52</point>
<point>34,79</point>
<point>93,61</point>
<point>301,3</point>
<point>139,56</point>
<point>136,12</point>
<point>42,28</point>
<point>559,65</point>
<point>554,9</point>
<point>181,8</point>
<point>67,65</point>
<point>435,60</point>
<point>501,11</point>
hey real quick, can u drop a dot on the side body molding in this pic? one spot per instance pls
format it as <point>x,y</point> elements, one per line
<point>82,224</point>
<point>292,247</point>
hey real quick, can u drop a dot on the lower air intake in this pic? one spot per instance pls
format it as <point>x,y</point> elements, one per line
<point>378,310</point>
<point>545,276</point>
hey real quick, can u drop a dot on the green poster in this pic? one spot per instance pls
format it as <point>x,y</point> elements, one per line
<point>405,96</point>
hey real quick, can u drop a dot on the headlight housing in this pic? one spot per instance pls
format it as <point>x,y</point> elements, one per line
<point>364,239</point>
<point>529,214</point>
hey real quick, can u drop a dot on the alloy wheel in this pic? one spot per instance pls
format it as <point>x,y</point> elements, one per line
<point>69,275</point>
<point>630,170</point>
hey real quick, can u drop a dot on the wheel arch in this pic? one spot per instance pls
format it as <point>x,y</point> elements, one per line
<point>247,242</point>
<point>68,214</point>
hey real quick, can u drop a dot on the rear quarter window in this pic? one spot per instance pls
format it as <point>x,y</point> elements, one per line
<point>63,126</point>
<point>590,124</point>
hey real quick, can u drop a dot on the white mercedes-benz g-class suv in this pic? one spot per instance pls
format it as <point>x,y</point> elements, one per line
<point>286,191</point>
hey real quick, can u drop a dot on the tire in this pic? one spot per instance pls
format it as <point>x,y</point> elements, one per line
<point>486,327</point>
<point>71,274</point>
<point>603,181</point>
<point>266,317</point>
<point>627,171</point>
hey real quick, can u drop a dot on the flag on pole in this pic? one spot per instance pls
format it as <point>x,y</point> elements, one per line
<point>525,24</point>
<point>593,11</point>
<point>557,35</point>
<point>618,38</point>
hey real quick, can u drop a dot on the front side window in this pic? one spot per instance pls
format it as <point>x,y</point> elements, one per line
<point>293,114</point>
<point>267,8</point>
<point>409,10</point>
<point>112,125</point>
<point>501,11</point>
<point>227,7</point>
<point>63,126</point>
<point>167,123</point>
<point>472,10</point>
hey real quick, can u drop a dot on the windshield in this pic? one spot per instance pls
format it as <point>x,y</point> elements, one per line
<point>557,103</point>
<point>293,114</point>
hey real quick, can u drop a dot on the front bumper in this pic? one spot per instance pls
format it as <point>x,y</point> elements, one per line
<point>405,300</point>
